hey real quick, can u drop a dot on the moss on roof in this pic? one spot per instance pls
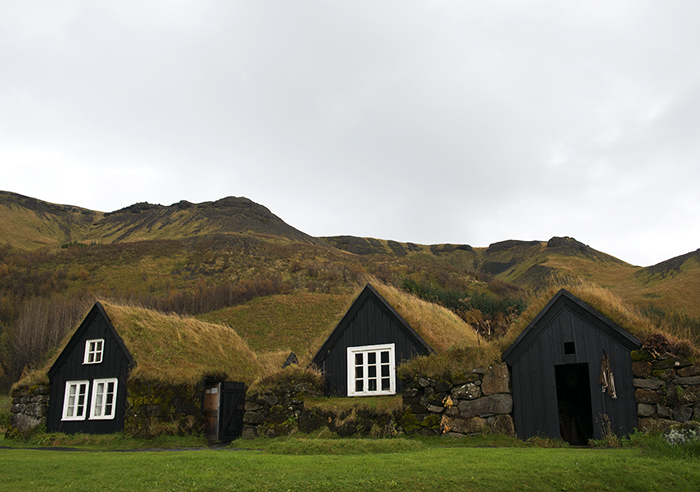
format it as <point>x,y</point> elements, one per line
<point>173,349</point>
<point>178,349</point>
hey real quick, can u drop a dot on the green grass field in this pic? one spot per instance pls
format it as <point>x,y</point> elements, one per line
<point>413,465</point>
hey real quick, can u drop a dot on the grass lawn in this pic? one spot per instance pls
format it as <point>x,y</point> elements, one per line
<point>415,466</point>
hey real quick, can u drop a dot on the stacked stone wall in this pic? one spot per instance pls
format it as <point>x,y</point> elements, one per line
<point>30,405</point>
<point>667,391</point>
<point>467,405</point>
<point>470,404</point>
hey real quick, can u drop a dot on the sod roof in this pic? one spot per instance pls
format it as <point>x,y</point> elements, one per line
<point>172,349</point>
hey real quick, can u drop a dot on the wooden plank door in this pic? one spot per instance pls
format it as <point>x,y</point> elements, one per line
<point>210,408</point>
<point>232,410</point>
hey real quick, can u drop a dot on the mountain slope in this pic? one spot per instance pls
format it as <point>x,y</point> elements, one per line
<point>28,223</point>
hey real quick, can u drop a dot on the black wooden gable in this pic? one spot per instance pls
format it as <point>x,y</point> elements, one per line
<point>370,320</point>
<point>95,325</point>
<point>565,300</point>
<point>69,366</point>
<point>555,367</point>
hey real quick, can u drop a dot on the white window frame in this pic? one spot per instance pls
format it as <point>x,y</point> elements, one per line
<point>93,355</point>
<point>100,406</point>
<point>364,375</point>
<point>72,406</point>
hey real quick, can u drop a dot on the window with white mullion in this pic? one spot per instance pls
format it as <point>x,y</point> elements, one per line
<point>75,400</point>
<point>371,370</point>
<point>93,351</point>
<point>104,396</point>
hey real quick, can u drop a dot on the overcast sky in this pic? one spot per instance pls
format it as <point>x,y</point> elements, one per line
<point>430,122</point>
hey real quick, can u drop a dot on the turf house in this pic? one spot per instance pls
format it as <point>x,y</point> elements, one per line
<point>570,368</point>
<point>360,356</point>
<point>146,373</point>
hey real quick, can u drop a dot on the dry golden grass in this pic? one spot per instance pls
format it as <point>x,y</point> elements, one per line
<point>178,349</point>
<point>599,298</point>
<point>439,327</point>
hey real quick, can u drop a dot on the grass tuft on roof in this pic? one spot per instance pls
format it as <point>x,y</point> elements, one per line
<point>176,349</point>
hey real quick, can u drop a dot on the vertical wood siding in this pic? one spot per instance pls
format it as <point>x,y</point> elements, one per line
<point>115,364</point>
<point>533,357</point>
<point>372,324</point>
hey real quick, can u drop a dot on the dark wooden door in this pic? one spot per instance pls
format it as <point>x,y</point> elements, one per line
<point>231,410</point>
<point>210,408</point>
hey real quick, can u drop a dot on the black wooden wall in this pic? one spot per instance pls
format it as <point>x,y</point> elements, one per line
<point>533,356</point>
<point>69,366</point>
<point>369,321</point>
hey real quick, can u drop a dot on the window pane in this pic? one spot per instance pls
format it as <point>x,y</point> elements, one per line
<point>372,371</point>
<point>385,357</point>
<point>386,384</point>
<point>371,357</point>
<point>359,385</point>
<point>358,359</point>
<point>385,371</point>
<point>358,372</point>
<point>371,385</point>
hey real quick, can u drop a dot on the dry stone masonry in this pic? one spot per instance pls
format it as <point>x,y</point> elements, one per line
<point>467,405</point>
<point>667,390</point>
<point>29,408</point>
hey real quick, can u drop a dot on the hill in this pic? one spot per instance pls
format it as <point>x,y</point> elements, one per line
<point>234,262</point>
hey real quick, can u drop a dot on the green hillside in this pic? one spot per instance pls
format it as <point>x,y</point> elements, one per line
<point>234,262</point>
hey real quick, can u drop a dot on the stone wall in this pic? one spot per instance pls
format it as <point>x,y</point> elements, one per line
<point>470,404</point>
<point>282,411</point>
<point>467,405</point>
<point>155,408</point>
<point>30,406</point>
<point>667,390</point>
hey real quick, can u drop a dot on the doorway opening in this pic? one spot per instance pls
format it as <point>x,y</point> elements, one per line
<point>574,402</point>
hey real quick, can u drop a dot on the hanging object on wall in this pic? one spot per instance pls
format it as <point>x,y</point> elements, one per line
<point>607,380</point>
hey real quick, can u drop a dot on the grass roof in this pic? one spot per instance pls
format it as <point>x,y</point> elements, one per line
<point>176,349</point>
<point>438,326</point>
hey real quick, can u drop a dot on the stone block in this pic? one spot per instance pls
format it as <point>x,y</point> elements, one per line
<point>249,432</point>
<point>648,384</point>
<point>410,392</point>
<point>648,397</point>
<point>452,412</point>
<point>641,369</point>
<point>689,380</point>
<point>691,394</point>
<point>647,425</point>
<point>424,382</point>
<point>645,410</point>
<point>689,371</point>
<point>443,387</point>
<point>253,418</point>
<point>682,413</point>
<point>488,405</point>
<point>469,391</point>
<point>471,425</point>
<point>665,374</point>
<point>503,424</point>
<point>435,409</point>
<point>251,406</point>
<point>23,422</point>
<point>496,380</point>
<point>663,411</point>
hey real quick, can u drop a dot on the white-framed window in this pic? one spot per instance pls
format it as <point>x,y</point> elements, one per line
<point>93,351</point>
<point>371,370</point>
<point>104,399</point>
<point>75,400</point>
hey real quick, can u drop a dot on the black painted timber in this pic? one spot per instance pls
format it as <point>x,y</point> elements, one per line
<point>371,320</point>
<point>540,347</point>
<point>116,361</point>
